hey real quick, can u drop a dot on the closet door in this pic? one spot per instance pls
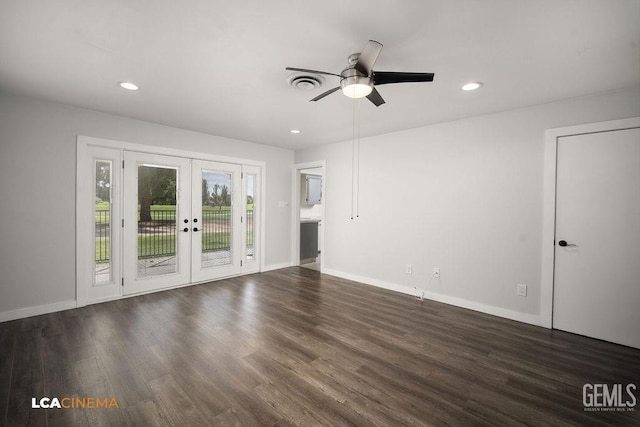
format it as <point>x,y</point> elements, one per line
<point>157,222</point>
<point>596,277</point>
<point>217,212</point>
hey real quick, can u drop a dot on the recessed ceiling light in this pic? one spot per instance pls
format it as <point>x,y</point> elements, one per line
<point>295,131</point>
<point>471,86</point>
<point>129,86</point>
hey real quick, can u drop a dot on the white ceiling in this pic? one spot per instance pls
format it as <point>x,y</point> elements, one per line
<point>218,66</point>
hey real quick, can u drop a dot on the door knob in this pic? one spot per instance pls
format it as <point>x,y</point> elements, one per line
<point>195,228</point>
<point>564,243</point>
<point>186,229</point>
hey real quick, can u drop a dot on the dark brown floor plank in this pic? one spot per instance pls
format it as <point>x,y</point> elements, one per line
<point>295,347</point>
<point>174,403</point>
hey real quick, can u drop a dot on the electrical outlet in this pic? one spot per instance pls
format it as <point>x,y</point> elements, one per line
<point>522,290</point>
<point>436,272</point>
<point>409,269</point>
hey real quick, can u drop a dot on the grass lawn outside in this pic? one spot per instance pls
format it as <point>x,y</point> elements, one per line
<point>165,244</point>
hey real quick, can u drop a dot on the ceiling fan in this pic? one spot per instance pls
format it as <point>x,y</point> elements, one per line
<point>358,79</point>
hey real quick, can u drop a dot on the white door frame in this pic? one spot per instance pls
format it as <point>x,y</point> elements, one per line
<point>84,224</point>
<point>549,203</point>
<point>295,227</point>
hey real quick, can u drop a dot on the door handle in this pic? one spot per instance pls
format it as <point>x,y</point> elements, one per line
<point>564,243</point>
<point>195,228</point>
<point>186,229</point>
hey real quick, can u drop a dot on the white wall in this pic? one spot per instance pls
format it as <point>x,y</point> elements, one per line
<point>464,196</point>
<point>37,192</point>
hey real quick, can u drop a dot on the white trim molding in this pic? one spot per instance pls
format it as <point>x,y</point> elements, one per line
<point>38,310</point>
<point>165,151</point>
<point>531,319</point>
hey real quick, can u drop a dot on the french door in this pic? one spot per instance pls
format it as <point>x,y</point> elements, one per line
<point>216,215</point>
<point>157,222</point>
<point>147,220</point>
<point>183,221</point>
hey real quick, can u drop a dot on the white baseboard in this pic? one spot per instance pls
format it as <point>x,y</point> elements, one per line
<point>531,319</point>
<point>272,267</point>
<point>518,316</point>
<point>21,313</point>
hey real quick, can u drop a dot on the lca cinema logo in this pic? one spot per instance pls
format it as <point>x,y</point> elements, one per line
<point>609,397</point>
<point>74,403</point>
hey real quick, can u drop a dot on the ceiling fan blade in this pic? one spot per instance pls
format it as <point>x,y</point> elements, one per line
<point>304,70</point>
<point>375,97</point>
<point>368,57</point>
<point>385,77</point>
<point>322,95</point>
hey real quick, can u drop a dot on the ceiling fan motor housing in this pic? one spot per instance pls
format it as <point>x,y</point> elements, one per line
<point>354,80</point>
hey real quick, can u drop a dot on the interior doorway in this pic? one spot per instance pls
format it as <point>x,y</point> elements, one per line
<point>309,206</point>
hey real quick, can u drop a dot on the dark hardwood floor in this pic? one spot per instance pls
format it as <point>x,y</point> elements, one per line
<point>293,347</point>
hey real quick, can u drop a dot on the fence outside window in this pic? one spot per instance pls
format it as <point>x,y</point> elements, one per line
<point>157,237</point>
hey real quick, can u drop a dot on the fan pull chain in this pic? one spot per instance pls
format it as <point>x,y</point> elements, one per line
<point>355,161</point>
<point>353,157</point>
<point>358,162</point>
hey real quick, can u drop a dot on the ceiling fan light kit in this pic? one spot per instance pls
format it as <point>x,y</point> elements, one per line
<point>358,80</point>
<point>356,86</point>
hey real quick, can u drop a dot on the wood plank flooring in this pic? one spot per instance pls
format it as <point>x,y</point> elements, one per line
<point>294,347</point>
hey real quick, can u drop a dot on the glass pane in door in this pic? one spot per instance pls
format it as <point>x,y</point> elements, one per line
<point>250,249</point>
<point>157,231</point>
<point>217,211</point>
<point>102,222</point>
